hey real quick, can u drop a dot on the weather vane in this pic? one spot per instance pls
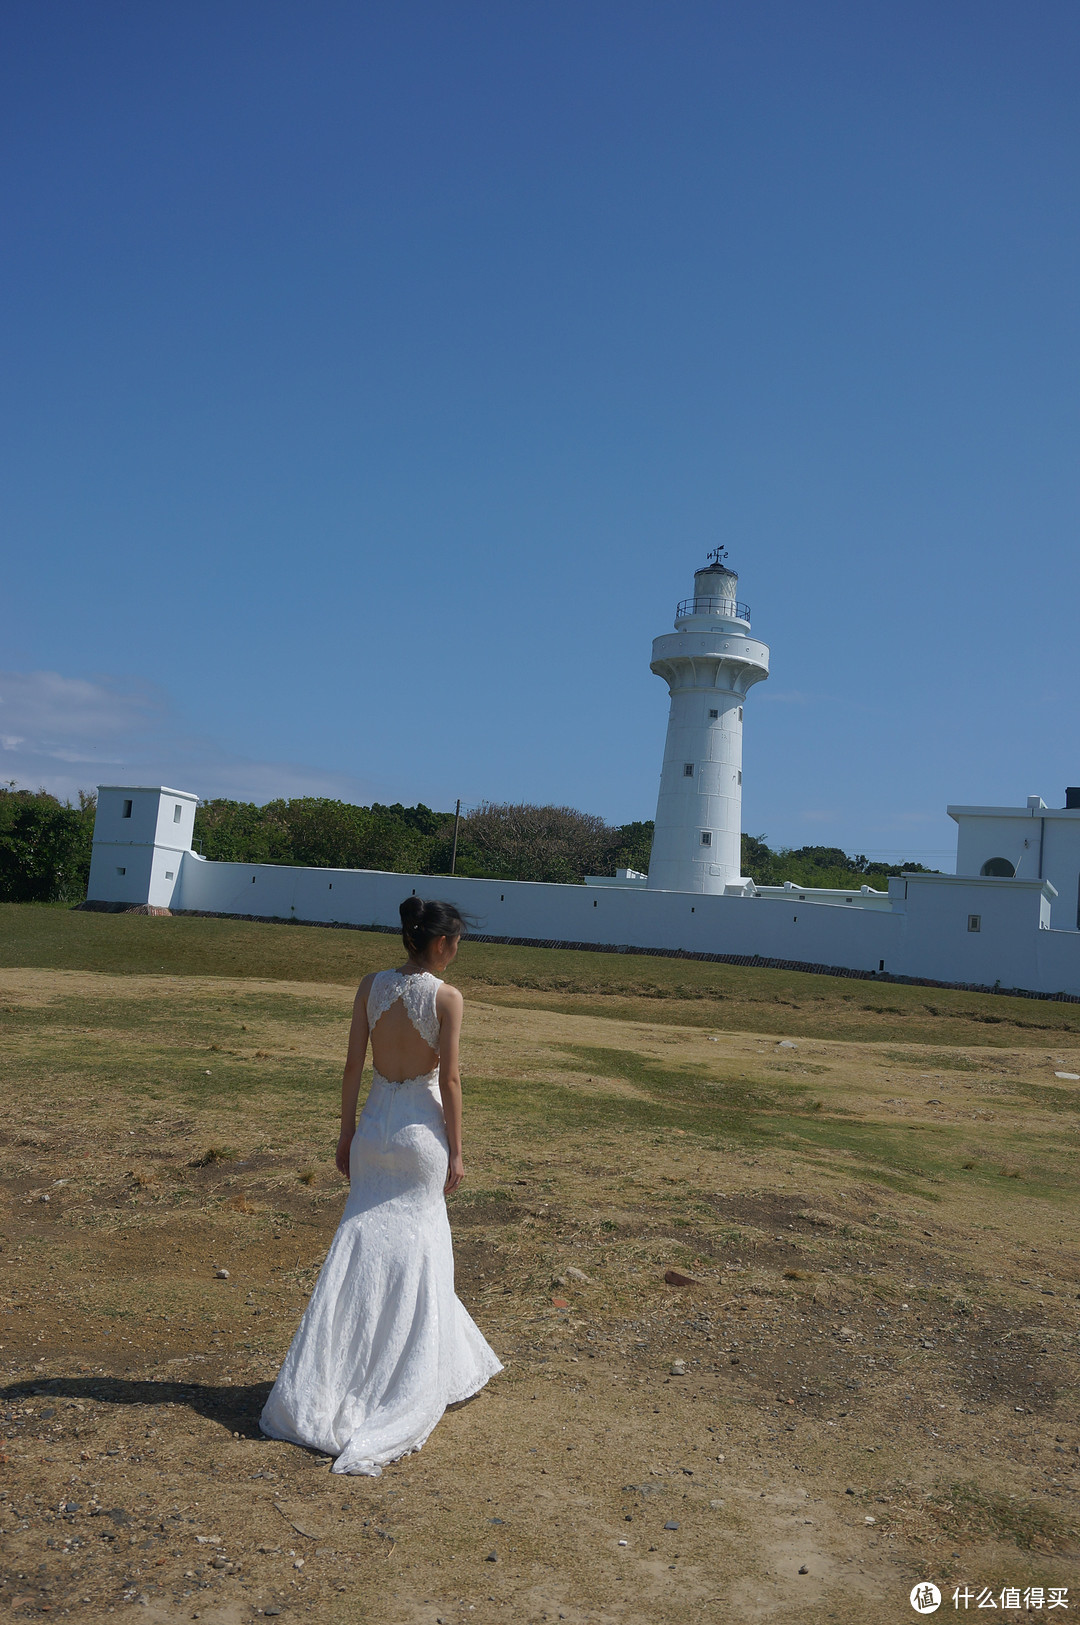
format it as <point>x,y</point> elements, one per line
<point>717,556</point>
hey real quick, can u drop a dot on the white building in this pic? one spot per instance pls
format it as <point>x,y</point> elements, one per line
<point>977,930</point>
<point>1035,842</point>
<point>1009,917</point>
<point>141,836</point>
<point>709,663</point>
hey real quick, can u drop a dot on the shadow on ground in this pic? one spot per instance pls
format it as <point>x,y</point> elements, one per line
<point>235,1408</point>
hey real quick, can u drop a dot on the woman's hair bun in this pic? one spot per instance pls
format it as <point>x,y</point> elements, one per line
<point>424,921</point>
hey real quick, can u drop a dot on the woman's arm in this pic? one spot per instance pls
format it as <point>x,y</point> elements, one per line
<point>449,1006</point>
<point>354,1071</point>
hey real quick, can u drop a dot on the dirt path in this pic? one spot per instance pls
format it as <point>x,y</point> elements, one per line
<point>878,1363</point>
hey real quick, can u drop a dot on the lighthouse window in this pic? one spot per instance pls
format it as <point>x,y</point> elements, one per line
<point>127,810</point>
<point>170,874</point>
<point>974,922</point>
<point>177,810</point>
<point>739,775</point>
<point>688,770</point>
<point>121,871</point>
<point>1000,867</point>
<point>740,713</point>
<point>713,715</point>
<point>706,837</point>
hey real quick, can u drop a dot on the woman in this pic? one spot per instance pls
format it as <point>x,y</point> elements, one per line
<point>384,1345</point>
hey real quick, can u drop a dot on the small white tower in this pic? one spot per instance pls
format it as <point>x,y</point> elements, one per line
<point>708,663</point>
<point>141,834</point>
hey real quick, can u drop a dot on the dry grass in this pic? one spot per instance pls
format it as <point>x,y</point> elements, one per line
<point>884,1325</point>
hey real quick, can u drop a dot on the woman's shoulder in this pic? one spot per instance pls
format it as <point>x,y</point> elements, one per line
<point>368,982</point>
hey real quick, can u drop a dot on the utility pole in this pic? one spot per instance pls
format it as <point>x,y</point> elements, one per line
<point>457,821</point>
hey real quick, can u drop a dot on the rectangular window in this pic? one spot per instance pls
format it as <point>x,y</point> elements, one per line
<point>127,810</point>
<point>706,837</point>
<point>739,775</point>
<point>974,922</point>
<point>740,713</point>
<point>713,715</point>
<point>121,871</point>
<point>170,874</point>
<point>177,810</point>
<point>688,770</point>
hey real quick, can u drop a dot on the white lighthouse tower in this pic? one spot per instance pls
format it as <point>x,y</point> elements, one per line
<point>708,663</point>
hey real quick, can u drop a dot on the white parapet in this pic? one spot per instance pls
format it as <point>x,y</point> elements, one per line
<point>709,662</point>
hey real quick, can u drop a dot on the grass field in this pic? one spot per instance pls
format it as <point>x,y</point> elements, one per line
<point>874,1187</point>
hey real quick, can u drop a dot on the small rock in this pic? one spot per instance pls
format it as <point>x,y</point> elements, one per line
<point>560,1303</point>
<point>44,1198</point>
<point>558,1280</point>
<point>851,1491</point>
<point>222,1275</point>
<point>868,1519</point>
<point>803,1569</point>
<point>671,1526</point>
<point>677,1278</point>
<point>492,1557</point>
<point>624,1543</point>
<point>716,1505</point>
<point>734,1359</point>
<point>578,1275</point>
<point>298,1563</point>
<point>785,1043</point>
<point>678,1368</point>
<point>1069,1077</point>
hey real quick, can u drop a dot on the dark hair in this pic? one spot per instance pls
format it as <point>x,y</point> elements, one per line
<point>422,922</point>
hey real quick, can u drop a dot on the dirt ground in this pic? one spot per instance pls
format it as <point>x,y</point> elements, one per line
<point>872,1381</point>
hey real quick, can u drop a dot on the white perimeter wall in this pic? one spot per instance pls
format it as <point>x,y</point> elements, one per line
<point>923,931</point>
<point>925,934</point>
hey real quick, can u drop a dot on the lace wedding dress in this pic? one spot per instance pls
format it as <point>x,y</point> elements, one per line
<point>384,1345</point>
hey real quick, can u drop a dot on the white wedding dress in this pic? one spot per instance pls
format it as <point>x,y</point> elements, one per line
<point>384,1345</point>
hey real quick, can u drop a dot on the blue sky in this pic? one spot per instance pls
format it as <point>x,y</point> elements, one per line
<point>374,377</point>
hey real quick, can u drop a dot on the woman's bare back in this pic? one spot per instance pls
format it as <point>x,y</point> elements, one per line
<point>397,1050</point>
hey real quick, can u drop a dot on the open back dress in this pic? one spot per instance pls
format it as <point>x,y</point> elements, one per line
<point>384,1345</point>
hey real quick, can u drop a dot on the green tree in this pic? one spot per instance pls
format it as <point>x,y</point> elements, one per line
<point>631,846</point>
<point>517,841</point>
<point>44,846</point>
<point>825,866</point>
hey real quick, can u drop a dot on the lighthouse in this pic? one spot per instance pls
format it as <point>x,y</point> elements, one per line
<point>709,662</point>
